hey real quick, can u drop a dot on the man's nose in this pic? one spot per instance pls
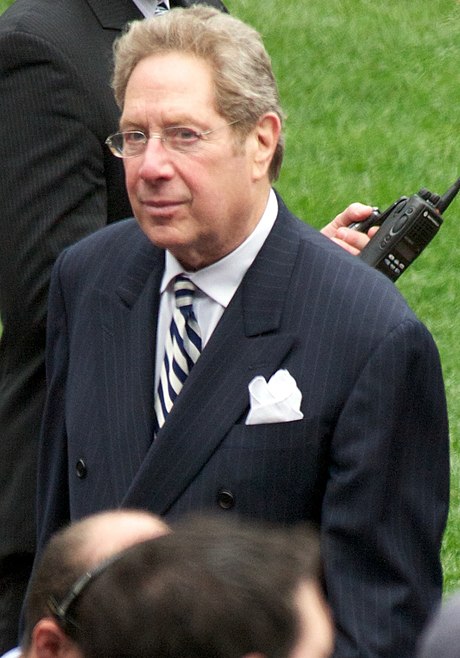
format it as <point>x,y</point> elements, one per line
<point>157,160</point>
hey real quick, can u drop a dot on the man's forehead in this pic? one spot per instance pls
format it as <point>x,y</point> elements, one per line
<point>174,83</point>
<point>173,66</point>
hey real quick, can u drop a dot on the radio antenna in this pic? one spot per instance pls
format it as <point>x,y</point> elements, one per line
<point>447,198</point>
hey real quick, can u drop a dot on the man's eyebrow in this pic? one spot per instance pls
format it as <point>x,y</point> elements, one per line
<point>130,125</point>
<point>178,120</point>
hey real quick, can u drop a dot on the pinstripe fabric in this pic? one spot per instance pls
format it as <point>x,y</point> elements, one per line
<point>57,185</point>
<point>182,349</point>
<point>54,64</point>
<point>368,462</point>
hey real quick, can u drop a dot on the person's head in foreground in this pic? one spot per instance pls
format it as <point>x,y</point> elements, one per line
<point>210,588</point>
<point>441,636</point>
<point>70,553</point>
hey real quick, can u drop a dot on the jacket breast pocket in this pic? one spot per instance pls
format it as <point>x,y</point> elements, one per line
<point>274,471</point>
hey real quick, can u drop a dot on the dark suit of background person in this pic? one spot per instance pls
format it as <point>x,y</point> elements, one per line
<point>58,183</point>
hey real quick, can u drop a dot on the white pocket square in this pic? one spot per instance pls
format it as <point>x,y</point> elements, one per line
<point>275,401</point>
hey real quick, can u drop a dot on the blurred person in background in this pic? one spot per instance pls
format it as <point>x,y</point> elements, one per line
<point>58,183</point>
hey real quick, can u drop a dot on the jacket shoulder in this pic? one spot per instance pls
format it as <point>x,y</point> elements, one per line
<point>327,272</point>
<point>121,236</point>
<point>118,252</point>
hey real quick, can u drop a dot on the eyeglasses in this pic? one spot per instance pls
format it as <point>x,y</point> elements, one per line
<point>60,610</point>
<point>131,143</point>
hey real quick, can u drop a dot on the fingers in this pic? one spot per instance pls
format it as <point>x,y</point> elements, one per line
<point>352,250</point>
<point>355,240</point>
<point>355,212</point>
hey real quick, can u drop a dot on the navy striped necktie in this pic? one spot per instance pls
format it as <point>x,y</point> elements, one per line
<point>182,348</point>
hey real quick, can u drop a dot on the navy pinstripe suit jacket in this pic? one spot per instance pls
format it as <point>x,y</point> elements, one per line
<point>368,463</point>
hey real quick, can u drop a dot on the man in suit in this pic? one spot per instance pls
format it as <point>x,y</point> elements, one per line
<point>58,184</point>
<point>314,392</point>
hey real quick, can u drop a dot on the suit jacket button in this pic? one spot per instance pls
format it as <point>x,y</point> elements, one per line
<point>225,499</point>
<point>81,469</point>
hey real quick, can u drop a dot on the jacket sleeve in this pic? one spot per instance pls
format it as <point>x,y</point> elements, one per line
<point>53,192</point>
<point>386,500</point>
<point>53,186</point>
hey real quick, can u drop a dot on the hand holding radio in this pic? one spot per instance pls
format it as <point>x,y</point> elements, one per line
<point>406,228</point>
<point>339,232</point>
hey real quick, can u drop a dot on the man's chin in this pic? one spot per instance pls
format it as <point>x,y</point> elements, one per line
<point>163,235</point>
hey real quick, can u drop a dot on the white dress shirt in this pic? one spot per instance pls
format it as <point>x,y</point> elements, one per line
<point>216,284</point>
<point>12,653</point>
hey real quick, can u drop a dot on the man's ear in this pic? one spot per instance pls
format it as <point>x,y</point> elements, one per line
<point>267,133</point>
<point>50,641</point>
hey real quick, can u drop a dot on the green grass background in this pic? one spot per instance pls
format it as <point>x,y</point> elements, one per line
<point>372,94</point>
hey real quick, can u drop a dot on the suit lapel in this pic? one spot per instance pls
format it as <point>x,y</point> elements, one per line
<point>129,319</point>
<point>114,14</point>
<point>188,3</point>
<point>248,341</point>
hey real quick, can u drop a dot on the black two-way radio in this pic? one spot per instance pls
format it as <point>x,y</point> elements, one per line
<point>406,227</point>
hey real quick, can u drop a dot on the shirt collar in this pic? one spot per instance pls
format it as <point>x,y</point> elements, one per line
<point>221,279</point>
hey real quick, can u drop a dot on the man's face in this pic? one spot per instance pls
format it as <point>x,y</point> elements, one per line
<point>202,204</point>
<point>316,638</point>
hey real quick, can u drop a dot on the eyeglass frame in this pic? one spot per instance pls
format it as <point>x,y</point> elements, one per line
<point>163,137</point>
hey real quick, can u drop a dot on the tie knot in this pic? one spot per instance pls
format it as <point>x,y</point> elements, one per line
<point>184,290</point>
<point>161,7</point>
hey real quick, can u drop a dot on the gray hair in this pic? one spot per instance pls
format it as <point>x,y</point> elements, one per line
<point>244,83</point>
